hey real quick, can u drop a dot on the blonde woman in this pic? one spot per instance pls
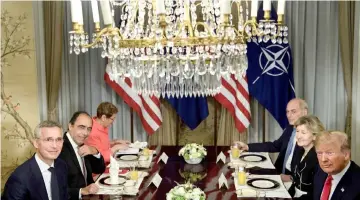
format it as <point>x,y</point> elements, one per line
<point>305,159</point>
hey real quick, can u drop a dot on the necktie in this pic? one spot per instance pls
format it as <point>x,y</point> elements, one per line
<point>84,168</point>
<point>289,149</point>
<point>327,188</point>
<point>54,185</point>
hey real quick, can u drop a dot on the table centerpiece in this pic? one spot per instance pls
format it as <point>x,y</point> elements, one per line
<point>193,153</point>
<point>186,191</point>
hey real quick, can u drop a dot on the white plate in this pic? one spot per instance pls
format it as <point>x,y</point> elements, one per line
<point>128,157</point>
<point>252,158</point>
<point>120,181</point>
<point>263,184</point>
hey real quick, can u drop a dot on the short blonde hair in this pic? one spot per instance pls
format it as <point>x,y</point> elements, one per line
<point>337,137</point>
<point>312,123</point>
<point>45,124</point>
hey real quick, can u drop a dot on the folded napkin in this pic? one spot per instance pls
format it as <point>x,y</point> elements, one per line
<point>139,145</point>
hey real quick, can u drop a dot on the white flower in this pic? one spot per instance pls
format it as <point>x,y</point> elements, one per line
<point>169,196</point>
<point>182,151</point>
<point>197,191</point>
<point>193,150</point>
<point>180,191</point>
<point>188,196</point>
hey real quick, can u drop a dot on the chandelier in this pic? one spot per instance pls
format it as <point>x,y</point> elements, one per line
<point>176,47</point>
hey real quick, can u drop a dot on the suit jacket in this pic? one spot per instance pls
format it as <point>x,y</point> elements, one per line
<point>76,178</point>
<point>278,145</point>
<point>27,182</point>
<point>303,171</point>
<point>348,187</point>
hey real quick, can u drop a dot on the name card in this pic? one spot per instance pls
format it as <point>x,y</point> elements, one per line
<point>223,181</point>
<point>221,157</point>
<point>156,180</point>
<point>163,157</point>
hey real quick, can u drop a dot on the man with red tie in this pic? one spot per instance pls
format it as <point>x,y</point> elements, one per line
<point>338,177</point>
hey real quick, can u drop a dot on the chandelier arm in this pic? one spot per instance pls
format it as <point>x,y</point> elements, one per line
<point>205,26</point>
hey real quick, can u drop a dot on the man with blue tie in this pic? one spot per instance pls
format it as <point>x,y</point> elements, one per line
<point>43,176</point>
<point>338,177</point>
<point>285,145</point>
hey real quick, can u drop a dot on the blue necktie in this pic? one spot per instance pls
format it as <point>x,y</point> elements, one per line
<point>289,149</point>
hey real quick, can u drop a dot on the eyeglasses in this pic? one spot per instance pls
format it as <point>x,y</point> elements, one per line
<point>52,140</point>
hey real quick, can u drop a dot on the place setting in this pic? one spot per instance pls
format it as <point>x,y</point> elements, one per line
<point>114,182</point>
<point>250,159</point>
<point>259,185</point>
<point>137,154</point>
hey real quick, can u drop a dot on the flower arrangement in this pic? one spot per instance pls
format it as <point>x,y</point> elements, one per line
<point>193,150</point>
<point>185,191</point>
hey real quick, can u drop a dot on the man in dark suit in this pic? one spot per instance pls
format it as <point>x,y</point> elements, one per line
<point>82,160</point>
<point>338,177</point>
<point>285,145</point>
<point>42,176</point>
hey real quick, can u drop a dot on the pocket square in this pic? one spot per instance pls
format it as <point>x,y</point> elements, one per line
<point>342,189</point>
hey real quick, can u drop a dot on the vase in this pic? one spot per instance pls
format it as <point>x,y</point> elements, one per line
<point>193,161</point>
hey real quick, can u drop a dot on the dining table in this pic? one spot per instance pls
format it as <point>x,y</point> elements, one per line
<point>204,175</point>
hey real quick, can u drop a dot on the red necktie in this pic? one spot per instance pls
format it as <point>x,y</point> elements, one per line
<point>327,188</point>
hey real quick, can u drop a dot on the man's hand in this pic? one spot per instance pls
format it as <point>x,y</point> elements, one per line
<point>242,146</point>
<point>118,147</point>
<point>90,189</point>
<point>285,178</point>
<point>87,150</point>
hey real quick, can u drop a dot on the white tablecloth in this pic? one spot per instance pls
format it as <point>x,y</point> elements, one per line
<point>247,191</point>
<point>267,164</point>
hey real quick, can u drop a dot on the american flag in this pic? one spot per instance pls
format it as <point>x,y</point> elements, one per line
<point>147,107</point>
<point>234,96</point>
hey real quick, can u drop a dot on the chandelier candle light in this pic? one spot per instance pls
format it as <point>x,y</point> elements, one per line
<point>176,48</point>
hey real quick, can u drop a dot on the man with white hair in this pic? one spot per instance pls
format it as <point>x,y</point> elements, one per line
<point>295,109</point>
<point>338,177</point>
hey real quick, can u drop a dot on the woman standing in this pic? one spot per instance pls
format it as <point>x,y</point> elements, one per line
<point>304,161</point>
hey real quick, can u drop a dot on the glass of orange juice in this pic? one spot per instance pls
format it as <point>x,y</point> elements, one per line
<point>134,174</point>
<point>146,152</point>
<point>235,152</point>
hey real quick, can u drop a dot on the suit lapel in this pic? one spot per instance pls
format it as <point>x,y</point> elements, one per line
<point>71,150</point>
<point>60,178</point>
<point>342,187</point>
<point>321,181</point>
<point>38,180</point>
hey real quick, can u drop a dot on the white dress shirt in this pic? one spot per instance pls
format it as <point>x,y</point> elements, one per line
<point>80,160</point>
<point>288,162</point>
<point>337,178</point>
<point>46,174</point>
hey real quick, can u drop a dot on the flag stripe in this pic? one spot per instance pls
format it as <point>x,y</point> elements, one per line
<point>148,108</point>
<point>234,96</point>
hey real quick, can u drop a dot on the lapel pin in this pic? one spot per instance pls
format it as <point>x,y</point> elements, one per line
<point>342,189</point>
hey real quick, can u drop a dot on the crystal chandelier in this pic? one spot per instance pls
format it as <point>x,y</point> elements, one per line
<point>176,47</point>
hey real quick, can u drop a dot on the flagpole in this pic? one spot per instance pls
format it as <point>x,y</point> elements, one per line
<point>263,124</point>
<point>132,124</point>
<point>177,129</point>
<point>215,124</point>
